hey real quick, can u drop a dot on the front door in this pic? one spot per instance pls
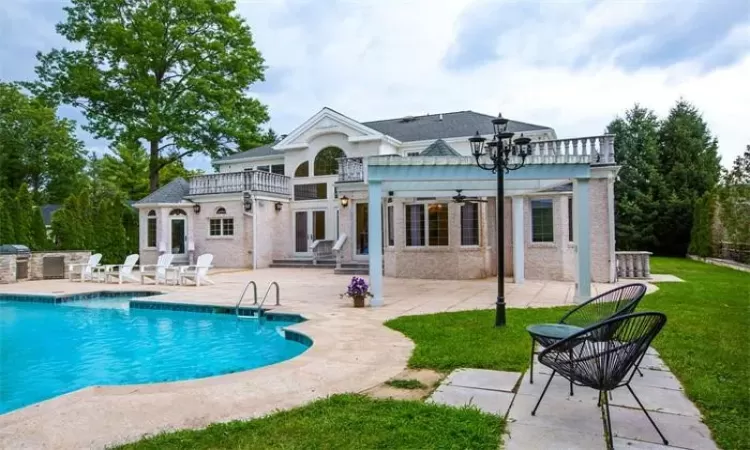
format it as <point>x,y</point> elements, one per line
<point>361,249</point>
<point>309,226</point>
<point>177,238</point>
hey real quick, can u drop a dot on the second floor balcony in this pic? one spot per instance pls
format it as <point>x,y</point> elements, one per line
<point>237,182</point>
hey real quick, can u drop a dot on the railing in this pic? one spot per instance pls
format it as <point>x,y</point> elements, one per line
<point>321,249</point>
<point>594,149</point>
<point>337,249</point>
<point>633,264</point>
<point>249,180</point>
<point>351,169</point>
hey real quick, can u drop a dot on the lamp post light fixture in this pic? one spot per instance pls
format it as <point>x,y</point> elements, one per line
<point>500,156</point>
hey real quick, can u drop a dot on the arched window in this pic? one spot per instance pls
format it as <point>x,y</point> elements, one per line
<point>326,161</point>
<point>177,212</point>
<point>303,170</point>
<point>152,213</point>
<point>220,210</point>
<point>151,229</point>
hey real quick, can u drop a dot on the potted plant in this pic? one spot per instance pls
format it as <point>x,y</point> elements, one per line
<point>357,290</point>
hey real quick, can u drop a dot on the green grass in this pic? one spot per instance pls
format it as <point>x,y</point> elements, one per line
<point>705,342</point>
<point>345,422</point>
<point>448,341</point>
<point>406,384</point>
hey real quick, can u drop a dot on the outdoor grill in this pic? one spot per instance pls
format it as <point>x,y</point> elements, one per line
<point>23,254</point>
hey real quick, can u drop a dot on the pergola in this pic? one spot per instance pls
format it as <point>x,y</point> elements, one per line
<point>441,176</point>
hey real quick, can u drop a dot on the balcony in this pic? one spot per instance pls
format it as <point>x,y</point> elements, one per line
<point>351,170</point>
<point>247,181</point>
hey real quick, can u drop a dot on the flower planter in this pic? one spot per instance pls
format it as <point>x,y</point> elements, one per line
<point>359,301</point>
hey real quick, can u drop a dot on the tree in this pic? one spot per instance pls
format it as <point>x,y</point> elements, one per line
<point>735,200</point>
<point>689,165</point>
<point>638,184</point>
<point>37,148</point>
<point>39,231</point>
<point>66,228</point>
<point>170,73</point>
<point>23,218</point>
<point>7,230</point>
<point>109,232</point>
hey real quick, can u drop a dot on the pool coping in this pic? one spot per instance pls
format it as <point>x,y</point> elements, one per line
<point>351,353</point>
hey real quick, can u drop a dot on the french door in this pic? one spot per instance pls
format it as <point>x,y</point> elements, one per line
<point>309,226</point>
<point>177,238</point>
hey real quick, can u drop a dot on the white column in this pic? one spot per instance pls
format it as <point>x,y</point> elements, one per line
<point>375,241</point>
<point>518,241</point>
<point>582,238</point>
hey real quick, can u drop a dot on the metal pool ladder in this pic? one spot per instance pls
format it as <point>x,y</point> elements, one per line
<point>255,299</point>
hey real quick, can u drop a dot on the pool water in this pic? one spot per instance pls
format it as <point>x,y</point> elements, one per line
<point>49,349</point>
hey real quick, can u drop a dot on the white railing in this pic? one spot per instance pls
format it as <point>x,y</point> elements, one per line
<point>593,149</point>
<point>351,169</point>
<point>337,249</point>
<point>249,180</point>
<point>633,264</point>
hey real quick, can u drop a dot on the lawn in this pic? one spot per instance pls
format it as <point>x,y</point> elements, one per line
<point>705,342</point>
<point>345,422</point>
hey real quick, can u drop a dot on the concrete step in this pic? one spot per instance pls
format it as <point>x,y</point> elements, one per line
<point>303,263</point>
<point>352,271</point>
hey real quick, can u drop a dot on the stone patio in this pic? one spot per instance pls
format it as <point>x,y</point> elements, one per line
<point>564,422</point>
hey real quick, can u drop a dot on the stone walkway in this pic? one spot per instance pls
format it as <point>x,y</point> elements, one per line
<point>564,422</point>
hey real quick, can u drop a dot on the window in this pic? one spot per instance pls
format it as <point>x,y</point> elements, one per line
<point>470,224</point>
<point>151,229</point>
<point>263,168</point>
<point>316,191</point>
<point>570,219</point>
<point>327,161</point>
<point>221,227</point>
<point>542,224</point>
<point>428,225</point>
<point>220,210</point>
<point>413,154</point>
<point>303,170</point>
<point>177,212</point>
<point>415,225</point>
<point>277,169</point>
<point>389,219</point>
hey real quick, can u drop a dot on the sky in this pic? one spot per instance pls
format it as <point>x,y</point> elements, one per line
<point>570,65</point>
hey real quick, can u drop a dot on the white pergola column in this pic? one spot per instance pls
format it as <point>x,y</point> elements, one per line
<point>582,238</point>
<point>518,241</point>
<point>375,241</point>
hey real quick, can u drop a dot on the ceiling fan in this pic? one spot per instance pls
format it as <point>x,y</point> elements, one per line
<point>460,198</point>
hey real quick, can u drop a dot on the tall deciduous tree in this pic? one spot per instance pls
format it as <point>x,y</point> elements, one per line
<point>171,73</point>
<point>689,164</point>
<point>37,148</point>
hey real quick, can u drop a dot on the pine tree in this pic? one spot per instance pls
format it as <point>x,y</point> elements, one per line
<point>25,211</point>
<point>84,214</point>
<point>7,209</point>
<point>66,226</point>
<point>39,231</point>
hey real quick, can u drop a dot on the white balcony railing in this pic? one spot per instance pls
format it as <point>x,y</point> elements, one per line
<point>249,180</point>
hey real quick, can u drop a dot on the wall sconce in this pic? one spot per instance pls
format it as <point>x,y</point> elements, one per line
<point>247,202</point>
<point>196,208</point>
<point>344,201</point>
<point>277,205</point>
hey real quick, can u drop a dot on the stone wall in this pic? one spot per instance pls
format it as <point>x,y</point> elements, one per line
<point>36,262</point>
<point>7,269</point>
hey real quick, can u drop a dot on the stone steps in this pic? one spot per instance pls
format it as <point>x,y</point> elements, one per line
<point>303,264</point>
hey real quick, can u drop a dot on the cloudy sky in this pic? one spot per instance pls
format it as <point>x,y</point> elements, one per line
<point>572,65</point>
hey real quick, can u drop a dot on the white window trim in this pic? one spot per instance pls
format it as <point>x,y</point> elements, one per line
<point>221,218</point>
<point>532,242</point>
<point>461,229</point>
<point>426,203</point>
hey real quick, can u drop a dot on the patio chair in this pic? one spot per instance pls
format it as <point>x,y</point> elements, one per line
<point>123,272</point>
<point>157,272</point>
<point>85,271</point>
<point>199,272</point>
<point>620,300</point>
<point>603,357</point>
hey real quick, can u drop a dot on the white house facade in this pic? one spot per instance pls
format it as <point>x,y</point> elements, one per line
<point>334,189</point>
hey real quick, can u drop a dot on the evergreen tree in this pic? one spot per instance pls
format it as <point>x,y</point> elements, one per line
<point>689,166</point>
<point>9,212</point>
<point>702,242</point>
<point>84,213</point>
<point>38,231</point>
<point>23,217</point>
<point>66,226</point>
<point>735,200</point>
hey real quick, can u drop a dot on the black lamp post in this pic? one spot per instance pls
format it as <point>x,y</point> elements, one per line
<point>502,156</point>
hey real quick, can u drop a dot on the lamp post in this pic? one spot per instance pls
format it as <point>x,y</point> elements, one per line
<point>501,155</point>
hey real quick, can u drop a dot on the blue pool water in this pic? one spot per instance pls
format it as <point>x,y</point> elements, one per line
<point>49,349</point>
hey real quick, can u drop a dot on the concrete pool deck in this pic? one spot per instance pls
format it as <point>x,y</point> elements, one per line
<point>352,352</point>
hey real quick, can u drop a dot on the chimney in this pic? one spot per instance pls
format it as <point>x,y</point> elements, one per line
<point>441,117</point>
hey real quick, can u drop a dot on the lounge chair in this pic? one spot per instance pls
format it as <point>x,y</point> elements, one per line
<point>123,272</point>
<point>85,271</point>
<point>158,271</point>
<point>199,272</point>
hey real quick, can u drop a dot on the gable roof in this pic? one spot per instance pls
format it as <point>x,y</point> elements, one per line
<point>443,126</point>
<point>257,152</point>
<point>439,148</point>
<point>172,192</point>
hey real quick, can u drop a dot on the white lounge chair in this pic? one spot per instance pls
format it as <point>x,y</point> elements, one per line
<point>158,271</point>
<point>123,272</point>
<point>84,271</point>
<point>199,272</point>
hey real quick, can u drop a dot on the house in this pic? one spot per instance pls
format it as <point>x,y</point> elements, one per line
<point>338,187</point>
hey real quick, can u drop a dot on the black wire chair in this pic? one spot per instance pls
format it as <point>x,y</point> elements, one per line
<point>603,356</point>
<point>620,300</point>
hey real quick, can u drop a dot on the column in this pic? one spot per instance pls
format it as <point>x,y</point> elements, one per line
<point>518,241</point>
<point>375,241</point>
<point>582,238</point>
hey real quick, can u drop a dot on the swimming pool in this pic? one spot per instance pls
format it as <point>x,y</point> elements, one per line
<point>48,348</point>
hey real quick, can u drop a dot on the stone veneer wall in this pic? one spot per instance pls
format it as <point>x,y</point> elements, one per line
<point>36,262</point>
<point>7,269</point>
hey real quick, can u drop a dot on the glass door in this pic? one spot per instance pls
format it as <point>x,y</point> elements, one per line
<point>309,226</point>
<point>361,230</point>
<point>177,236</point>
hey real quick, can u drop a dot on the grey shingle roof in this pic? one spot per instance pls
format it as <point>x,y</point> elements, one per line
<point>266,150</point>
<point>172,192</point>
<point>439,148</point>
<point>455,124</point>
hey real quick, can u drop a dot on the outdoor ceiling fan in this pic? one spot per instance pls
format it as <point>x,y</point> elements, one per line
<point>460,198</point>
